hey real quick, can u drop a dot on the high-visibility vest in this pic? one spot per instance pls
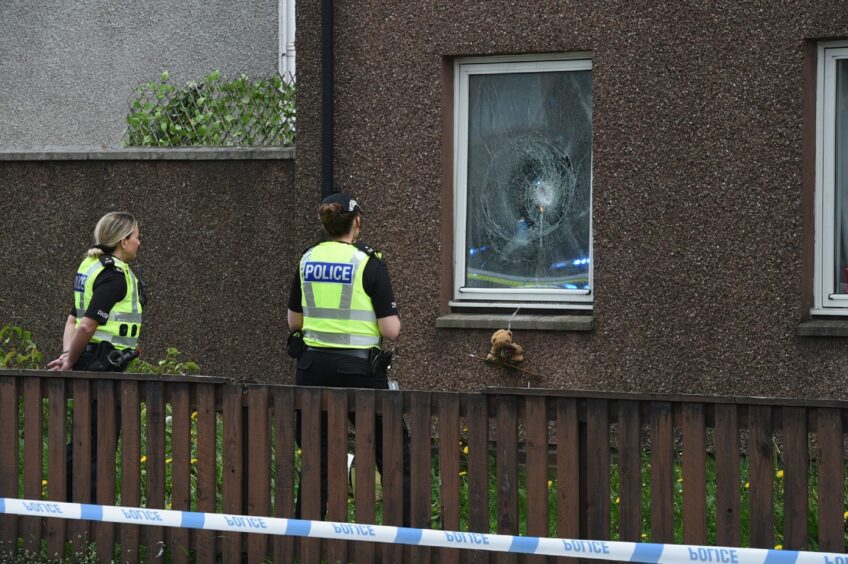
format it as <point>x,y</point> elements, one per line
<point>337,313</point>
<point>124,323</point>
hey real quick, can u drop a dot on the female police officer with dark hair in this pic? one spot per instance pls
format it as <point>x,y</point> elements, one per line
<point>342,301</point>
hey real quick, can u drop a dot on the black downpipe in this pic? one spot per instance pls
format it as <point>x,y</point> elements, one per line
<point>327,101</point>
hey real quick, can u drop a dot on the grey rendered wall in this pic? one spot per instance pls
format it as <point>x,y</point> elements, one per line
<point>68,66</point>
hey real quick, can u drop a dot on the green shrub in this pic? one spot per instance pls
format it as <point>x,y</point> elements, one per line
<point>213,112</point>
<point>17,349</point>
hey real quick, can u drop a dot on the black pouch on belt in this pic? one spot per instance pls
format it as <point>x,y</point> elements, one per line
<point>381,361</point>
<point>294,344</point>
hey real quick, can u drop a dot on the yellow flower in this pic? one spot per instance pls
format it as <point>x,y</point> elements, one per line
<point>779,474</point>
<point>617,500</point>
<point>194,416</point>
<point>194,461</point>
<point>747,485</point>
<point>465,449</point>
<point>845,515</point>
<point>644,535</point>
<point>43,483</point>
<point>297,451</point>
<point>778,547</point>
<point>550,483</point>
<point>143,459</point>
<point>168,460</point>
<point>463,473</point>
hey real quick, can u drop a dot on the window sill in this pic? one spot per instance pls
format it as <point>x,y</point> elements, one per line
<point>523,322</point>
<point>823,328</point>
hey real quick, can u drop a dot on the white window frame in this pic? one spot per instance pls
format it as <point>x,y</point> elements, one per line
<point>826,301</point>
<point>538,298</point>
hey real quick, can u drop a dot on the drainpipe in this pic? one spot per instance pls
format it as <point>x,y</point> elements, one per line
<point>327,102</point>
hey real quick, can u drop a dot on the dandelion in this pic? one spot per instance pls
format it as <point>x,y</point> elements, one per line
<point>779,473</point>
<point>747,485</point>
<point>550,484</point>
<point>44,483</point>
<point>463,473</point>
<point>465,449</point>
<point>845,515</point>
<point>644,535</point>
<point>778,547</point>
<point>194,416</point>
<point>617,500</point>
<point>168,460</point>
<point>143,459</point>
<point>194,461</point>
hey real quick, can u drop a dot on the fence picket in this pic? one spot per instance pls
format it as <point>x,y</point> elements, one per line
<point>831,479</point>
<point>180,467</point>
<point>477,421</point>
<point>662,473</point>
<point>537,469</point>
<point>629,471</point>
<point>155,453</point>
<point>33,431</point>
<point>8,462</point>
<point>284,470</point>
<point>568,471</point>
<point>207,464</point>
<point>420,423</point>
<point>81,460</point>
<point>130,466</point>
<point>310,467</point>
<point>448,411</point>
<point>105,446</point>
<point>57,450</point>
<point>392,474</point>
<point>760,477</point>
<point>365,468</point>
<point>337,475</point>
<point>694,474</point>
<point>507,469</point>
<point>259,470</point>
<point>795,478</point>
<point>233,457</point>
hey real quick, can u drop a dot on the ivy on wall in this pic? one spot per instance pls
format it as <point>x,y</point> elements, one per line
<point>212,112</point>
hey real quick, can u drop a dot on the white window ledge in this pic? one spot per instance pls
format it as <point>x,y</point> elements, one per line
<point>823,328</point>
<point>523,322</point>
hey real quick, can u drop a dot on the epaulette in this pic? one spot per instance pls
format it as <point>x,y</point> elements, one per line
<point>370,251</point>
<point>107,260</point>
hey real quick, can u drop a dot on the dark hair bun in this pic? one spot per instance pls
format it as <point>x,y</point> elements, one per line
<point>328,212</point>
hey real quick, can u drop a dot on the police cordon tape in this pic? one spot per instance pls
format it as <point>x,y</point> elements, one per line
<point>591,549</point>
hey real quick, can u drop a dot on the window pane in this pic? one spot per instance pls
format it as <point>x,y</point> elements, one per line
<point>529,180</point>
<point>841,189</point>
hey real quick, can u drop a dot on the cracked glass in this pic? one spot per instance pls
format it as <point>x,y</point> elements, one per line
<point>529,180</point>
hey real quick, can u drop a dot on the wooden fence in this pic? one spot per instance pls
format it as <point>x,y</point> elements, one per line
<point>658,468</point>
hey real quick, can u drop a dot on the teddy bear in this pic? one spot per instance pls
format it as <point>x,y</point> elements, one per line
<point>503,349</point>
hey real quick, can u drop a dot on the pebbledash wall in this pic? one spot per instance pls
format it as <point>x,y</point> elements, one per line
<point>219,230</point>
<point>703,180</point>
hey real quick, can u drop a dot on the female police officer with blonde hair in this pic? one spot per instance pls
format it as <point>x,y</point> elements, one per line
<point>106,313</point>
<point>342,301</point>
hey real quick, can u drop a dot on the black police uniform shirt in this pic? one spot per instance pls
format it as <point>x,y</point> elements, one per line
<point>375,282</point>
<point>110,287</point>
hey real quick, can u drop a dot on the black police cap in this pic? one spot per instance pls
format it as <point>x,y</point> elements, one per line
<point>347,203</point>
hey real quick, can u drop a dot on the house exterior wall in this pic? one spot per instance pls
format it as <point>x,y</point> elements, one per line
<point>702,184</point>
<point>69,67</point>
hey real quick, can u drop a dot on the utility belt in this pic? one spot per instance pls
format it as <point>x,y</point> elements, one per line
<point>364,354</point>
<point>103,357</point>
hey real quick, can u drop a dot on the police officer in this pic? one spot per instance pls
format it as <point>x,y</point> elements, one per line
<point>341,300</point>
<point>106,313</point>
<point>101,332</point>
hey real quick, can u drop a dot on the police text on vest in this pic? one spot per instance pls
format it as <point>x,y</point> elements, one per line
<point>335,272</point>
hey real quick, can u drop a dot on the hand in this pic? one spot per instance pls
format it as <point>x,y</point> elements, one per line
<point>60,364</point>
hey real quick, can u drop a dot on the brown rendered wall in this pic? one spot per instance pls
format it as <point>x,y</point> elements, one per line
<point>219,239</point>
<point>702,218</point>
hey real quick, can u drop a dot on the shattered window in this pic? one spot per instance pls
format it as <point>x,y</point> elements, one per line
<point>528,181</point>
